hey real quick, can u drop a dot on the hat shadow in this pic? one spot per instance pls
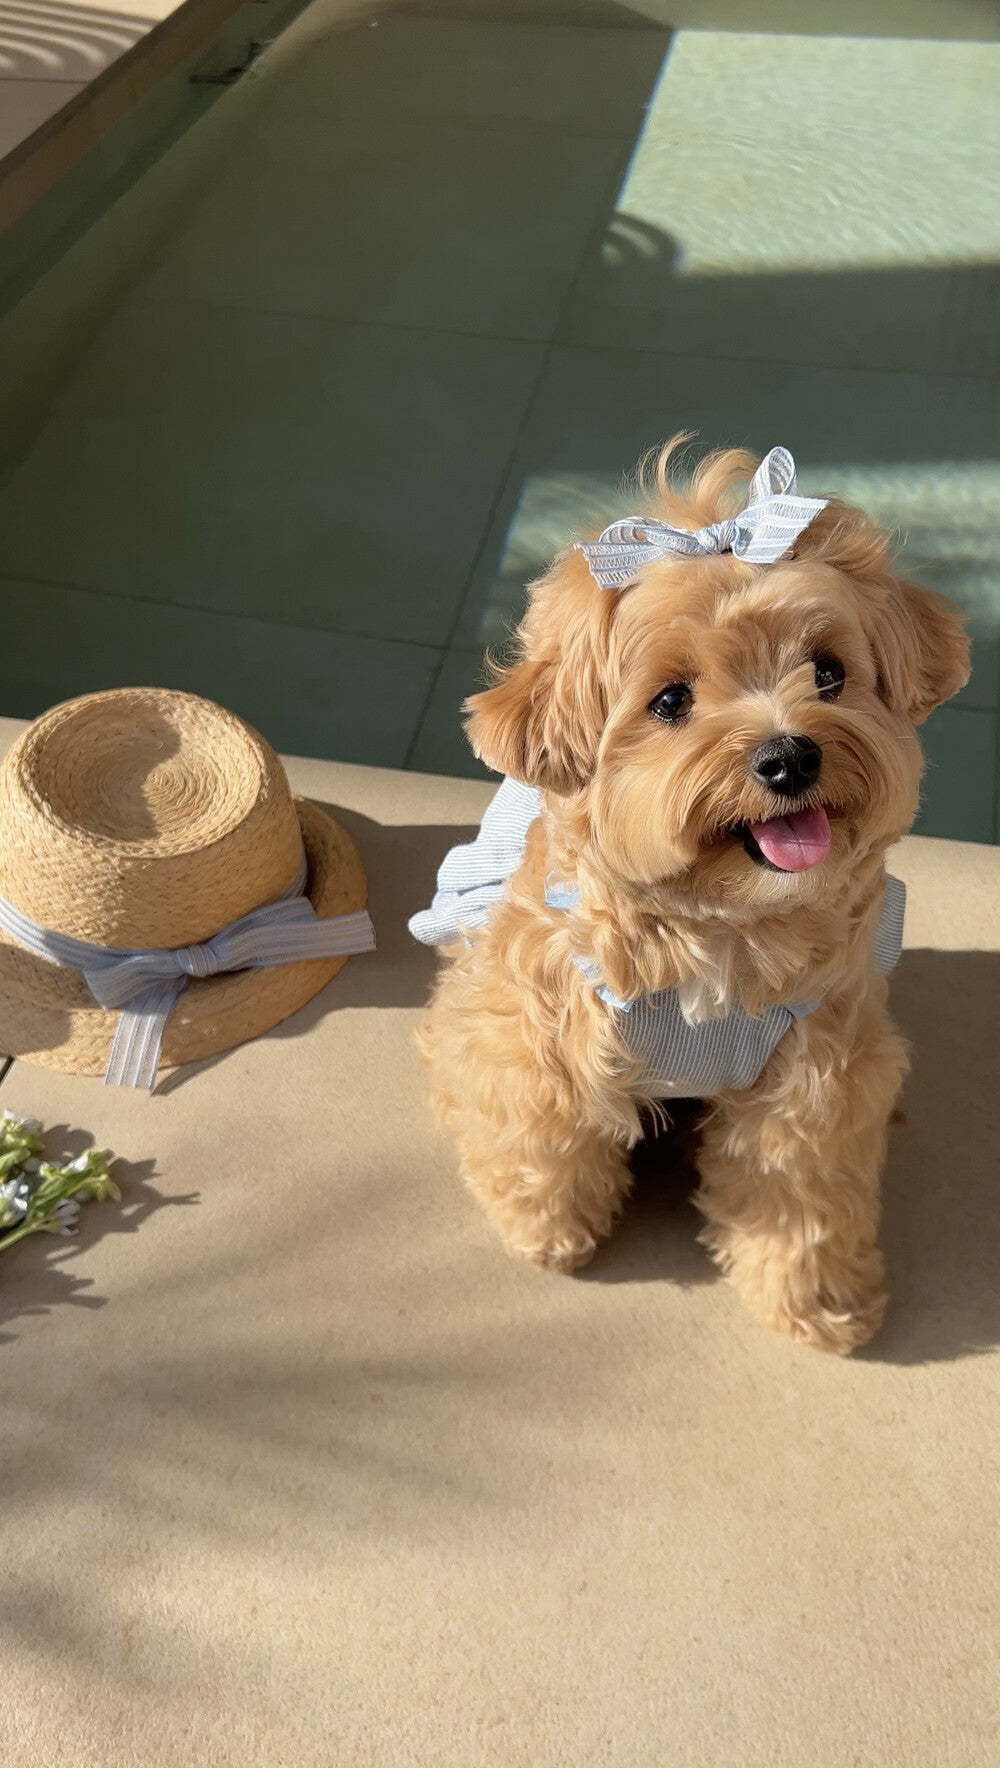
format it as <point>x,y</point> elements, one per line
<point>401,863</point>
<point>38,1273</point>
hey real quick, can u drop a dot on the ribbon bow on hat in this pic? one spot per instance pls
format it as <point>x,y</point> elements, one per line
<point>770,522</point>
<point>146,984</point>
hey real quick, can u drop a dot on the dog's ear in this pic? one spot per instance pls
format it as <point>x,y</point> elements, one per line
<point>542,721</point>
<point>921,650</point>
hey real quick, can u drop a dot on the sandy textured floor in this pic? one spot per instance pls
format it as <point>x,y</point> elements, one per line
<point>299,1471</point>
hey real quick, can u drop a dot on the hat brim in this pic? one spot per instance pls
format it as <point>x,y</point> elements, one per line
<point>48,1016</point>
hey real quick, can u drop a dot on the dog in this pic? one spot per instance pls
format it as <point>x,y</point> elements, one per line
<point>708,737</point>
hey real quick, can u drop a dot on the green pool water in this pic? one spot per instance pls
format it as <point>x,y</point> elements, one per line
<point>458,276</point>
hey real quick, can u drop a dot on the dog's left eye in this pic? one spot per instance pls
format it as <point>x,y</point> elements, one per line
<point>672,703</point>
<point>830,676</point>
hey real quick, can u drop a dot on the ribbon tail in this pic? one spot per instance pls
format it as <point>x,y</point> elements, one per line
<point>766,531</point>
<point>135,1053</point>
<point>350,935</point>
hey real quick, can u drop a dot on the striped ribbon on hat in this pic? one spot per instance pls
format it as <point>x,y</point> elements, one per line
<point>770,522</point>
<point>146,984</point>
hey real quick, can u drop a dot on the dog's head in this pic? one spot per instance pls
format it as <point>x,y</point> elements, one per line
<point>742,732</point>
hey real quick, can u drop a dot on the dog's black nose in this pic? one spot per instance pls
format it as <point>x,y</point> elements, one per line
<point>787,765</point>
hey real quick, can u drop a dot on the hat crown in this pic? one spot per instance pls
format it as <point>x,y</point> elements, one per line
<point>144,817</point>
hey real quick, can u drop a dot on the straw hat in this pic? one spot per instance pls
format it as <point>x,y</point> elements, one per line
<point>146,818</point>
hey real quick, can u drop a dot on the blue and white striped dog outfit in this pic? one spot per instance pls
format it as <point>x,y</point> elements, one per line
<point>677,1060</point>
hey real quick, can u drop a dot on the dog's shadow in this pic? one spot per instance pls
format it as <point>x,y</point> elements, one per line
<point>656,1238</point>
<point>941,1220</point>
<point>941,1210</point>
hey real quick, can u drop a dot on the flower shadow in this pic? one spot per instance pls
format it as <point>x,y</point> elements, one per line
<point>38,1273</point>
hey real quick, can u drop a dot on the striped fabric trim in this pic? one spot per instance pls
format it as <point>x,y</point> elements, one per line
<point>888,941</point>
<point>676,1060</point>
<point>473,878</point>
<point>682,1061</point>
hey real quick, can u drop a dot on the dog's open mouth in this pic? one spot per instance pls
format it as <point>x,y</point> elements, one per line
<point>792,843</point>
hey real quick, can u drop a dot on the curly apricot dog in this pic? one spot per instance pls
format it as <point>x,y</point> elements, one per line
<point>680,890</point>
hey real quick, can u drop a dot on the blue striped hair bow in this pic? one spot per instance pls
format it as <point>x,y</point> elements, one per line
<point>146,984</point>
<point>770,522</point>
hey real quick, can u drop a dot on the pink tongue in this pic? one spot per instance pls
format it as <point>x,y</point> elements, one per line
<point>794,843</point>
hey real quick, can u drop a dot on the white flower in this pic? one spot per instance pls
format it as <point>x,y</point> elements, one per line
<point>30,1125</point>
<point>79,1165</point>
<point>16,1195</point>
<point>66,1214</point>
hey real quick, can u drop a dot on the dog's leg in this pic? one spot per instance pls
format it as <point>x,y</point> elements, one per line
<point>552,1197</point>
<point>546,1159</point>
<point>790,1176</point>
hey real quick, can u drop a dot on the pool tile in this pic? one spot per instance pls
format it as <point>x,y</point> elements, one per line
<point>824,199</point>
<point>919,451</point>
<point>482,73</point>
<point>302,493</point>
<point>326,475</point>
<point>982,691</point>
<point>958,799</point>
<point>311,693</point>
<point>441,746</point>
<point>447,229</point>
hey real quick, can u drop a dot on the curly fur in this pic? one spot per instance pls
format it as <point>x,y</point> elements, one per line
<point>529,1072</point>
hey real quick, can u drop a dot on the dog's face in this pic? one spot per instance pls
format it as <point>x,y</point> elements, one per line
<point>742,734</point>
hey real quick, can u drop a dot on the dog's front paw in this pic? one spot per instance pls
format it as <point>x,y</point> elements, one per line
<point>556,1252</point>
<point>835,1304</point>
<point>831,1326</point>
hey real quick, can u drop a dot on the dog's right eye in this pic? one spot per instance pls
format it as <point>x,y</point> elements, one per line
<point>672,703</point>
<point>830,676</point>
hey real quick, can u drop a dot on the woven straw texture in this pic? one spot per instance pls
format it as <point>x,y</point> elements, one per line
<point>144,817</point>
